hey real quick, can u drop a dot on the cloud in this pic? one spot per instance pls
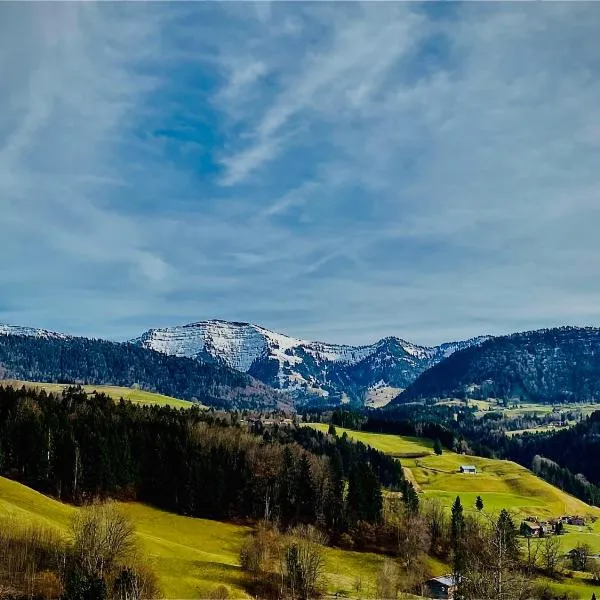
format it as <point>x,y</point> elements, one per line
<point>338,171</point>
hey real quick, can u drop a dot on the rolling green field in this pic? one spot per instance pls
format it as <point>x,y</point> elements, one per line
<point>133,395</point>
<point>500,483</point>
<point>542,429</point>
<point>524,409</point>
<point>484,406</point>
<point>191,556</point>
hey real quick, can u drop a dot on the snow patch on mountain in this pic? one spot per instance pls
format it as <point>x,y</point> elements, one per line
<point>31,332</point>
<point>294,364</point>
<point>238,345</point>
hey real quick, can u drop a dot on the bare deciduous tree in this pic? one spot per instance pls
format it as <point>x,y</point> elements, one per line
<point>437,525</point>
<point>388,580</point>
<point>303,562</point>
<point>102,538</point>
<point>550,554</point>
<point>259,551</point>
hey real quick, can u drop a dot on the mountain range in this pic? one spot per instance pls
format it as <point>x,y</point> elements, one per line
<point>307,370</point>
<point>233,364</point>
<point>548,365</point>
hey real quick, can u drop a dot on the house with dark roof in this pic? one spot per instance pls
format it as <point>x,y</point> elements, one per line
<point>442,588</point>
<point>535,529</point>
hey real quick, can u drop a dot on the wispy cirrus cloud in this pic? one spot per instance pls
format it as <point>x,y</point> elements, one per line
<point>334,170</point>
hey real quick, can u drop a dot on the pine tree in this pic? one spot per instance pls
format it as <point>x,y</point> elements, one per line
<point>335,510</point>
<point>410,497</point>
<point>331,430</point>
<point>507,534</point>
<point>365,501</point>
<point>437,447</point>
<point>457,525</point>
<point>479,504</point>
<point>305,496</point>
<point>457,534</point>
<point>559,528</point>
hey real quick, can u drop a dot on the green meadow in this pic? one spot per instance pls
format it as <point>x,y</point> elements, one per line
<point>131,394</point>
<point>394,445</point>
<point>190,556</point>
<point>193,556</point>
<point>500,483</point>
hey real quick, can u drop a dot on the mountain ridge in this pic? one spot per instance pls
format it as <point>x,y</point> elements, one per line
<point>44,356</point>
<point>337,372</point>
<point>558,364</point>
<point>310,371</point>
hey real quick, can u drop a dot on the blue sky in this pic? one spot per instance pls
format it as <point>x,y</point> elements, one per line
<point>334,171</point>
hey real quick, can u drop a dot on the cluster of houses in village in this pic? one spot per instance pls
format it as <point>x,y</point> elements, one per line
<point>533,527</point>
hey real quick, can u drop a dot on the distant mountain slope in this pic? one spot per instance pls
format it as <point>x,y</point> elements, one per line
<point>549,365</point>
<point>336,372</point>
<point>39,355</point>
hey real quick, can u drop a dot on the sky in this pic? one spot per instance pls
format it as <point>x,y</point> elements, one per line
<point>334,171</point>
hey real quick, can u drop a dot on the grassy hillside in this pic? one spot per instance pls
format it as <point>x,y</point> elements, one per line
<point>191,556</point>
<point>394,445</point>
<point>500,483</point>
<point>133,395</point>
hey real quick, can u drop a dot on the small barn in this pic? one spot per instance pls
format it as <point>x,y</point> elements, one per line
<point>442,588</point>
<point>468,469</point>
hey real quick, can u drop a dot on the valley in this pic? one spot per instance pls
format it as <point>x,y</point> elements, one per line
<point>196,484</point>
<point>298,300</point>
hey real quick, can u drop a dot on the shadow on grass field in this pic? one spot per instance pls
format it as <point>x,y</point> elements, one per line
<point>191,556</point>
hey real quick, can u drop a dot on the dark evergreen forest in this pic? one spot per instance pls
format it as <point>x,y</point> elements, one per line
<point>189,461</point>
<point>549,365</point>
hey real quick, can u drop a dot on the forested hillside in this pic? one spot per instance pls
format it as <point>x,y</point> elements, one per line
<point>193,462</point>
<point>576,449</point>
<point>549,365</point>
<point>90,361</point>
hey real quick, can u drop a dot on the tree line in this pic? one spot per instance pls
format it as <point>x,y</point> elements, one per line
<point>192,462</point>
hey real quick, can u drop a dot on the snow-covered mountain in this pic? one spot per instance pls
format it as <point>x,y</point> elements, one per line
<point>31,332</point>
<point>46,356</point>
<point>338,372</point>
